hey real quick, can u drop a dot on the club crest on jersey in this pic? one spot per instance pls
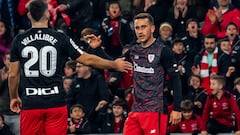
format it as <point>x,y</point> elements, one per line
<point>151,57</point>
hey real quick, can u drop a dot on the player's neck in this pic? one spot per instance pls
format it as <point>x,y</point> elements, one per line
<point>40,24</point>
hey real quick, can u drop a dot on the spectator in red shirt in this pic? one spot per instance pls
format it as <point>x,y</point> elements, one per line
<point>217,19</point>
<point>219,107</point>
<point>190,122</point>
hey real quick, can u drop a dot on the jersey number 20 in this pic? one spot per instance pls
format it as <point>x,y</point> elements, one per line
<point>45,53</point>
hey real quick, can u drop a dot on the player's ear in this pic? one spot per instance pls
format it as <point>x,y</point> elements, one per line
<point>47,15</point>
<point>29,15</point>
<point>152,28</point>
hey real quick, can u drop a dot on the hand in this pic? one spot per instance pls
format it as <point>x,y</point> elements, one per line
<point>101,104</point>
<point>218,13</point>
<point>204,133</point>
<point>93,40</point>
<point>198,104</point>
<point>72,128</point>
<point>212,16</point>
<point>196,70</point>
<point>175,117</point>
<point>122,66</point>
<point>237,132</point>
<point>62,7</point>
<point>16,105</point>
<point>176,12</point>
<point>231,69</point>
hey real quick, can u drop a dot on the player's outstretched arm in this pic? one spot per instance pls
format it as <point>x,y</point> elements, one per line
<point>92,60</point>
<point>13,83</point>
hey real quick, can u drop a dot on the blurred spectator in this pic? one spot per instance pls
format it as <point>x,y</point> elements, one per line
<point>193,39</point>
<point>118,82</point>
<point>11,118</point>
<point>217,19</point>
<point>237,90</point>
<point>232,33</point>
<point>112,122</point>
<point>70,68</point>
<point>99,12</point>
<point>233,3</point>
<point>225,46</point>
<point>190,122</point>
<point>97,50</point>
<point>8,13</point>
<point>77,123</point>
<point>138,6</point>
<point>67,81</point>
<point>179,14</point>
<point>88,88</point>
<point>4,128</point>
<point>196,94</point>
<point>178,50</point>
<point>165,33</point>
<point>210,61</point>
<point>57,19</point>
<point>5,40</point>
<point>217,113</point>
<point>157,9</point>
<point>22,11</point>
<point>201,7</point>
<point>117,30</point>
<point>80,13</point>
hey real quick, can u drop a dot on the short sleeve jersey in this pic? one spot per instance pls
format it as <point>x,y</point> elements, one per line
<point>41,52</point>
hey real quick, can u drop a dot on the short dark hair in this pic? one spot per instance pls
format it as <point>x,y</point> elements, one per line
<point>89,31</point>
<point>77,106</point>
<point>210,36</point>
<point>112,2</point>
<point>37,8</point>
<point>71,64</point>
<point>232,23</point>
<point>192,20</point>
<point>144,16</point>
<point>193,75</point>
<point>237,81</point>
<point>219,78</point>
<point>177,40</point>
<point>223,40</point>
<point>119,102</point>
<point>187,105</point>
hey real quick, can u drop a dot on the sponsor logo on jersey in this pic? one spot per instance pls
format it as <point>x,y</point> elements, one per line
<point>140,69</point>
<point>42,91</point>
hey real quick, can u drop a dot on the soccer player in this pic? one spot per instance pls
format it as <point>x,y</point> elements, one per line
<point>151,61</point>
<point>38,53</point>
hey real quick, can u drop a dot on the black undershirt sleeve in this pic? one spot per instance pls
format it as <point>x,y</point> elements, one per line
<point>170,65</point>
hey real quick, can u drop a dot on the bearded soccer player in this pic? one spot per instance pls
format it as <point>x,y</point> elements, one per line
<point>151,61</point>
<point>39,53</point>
